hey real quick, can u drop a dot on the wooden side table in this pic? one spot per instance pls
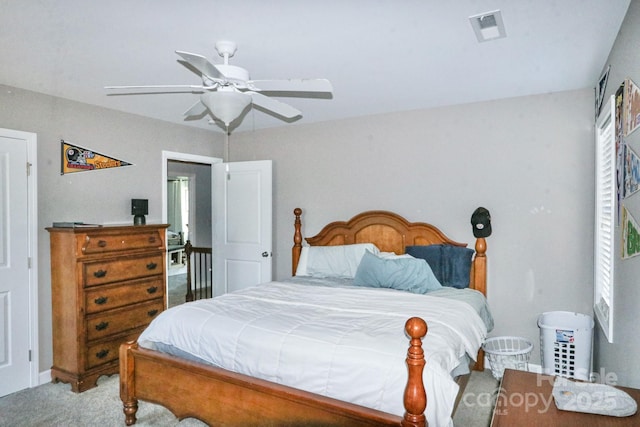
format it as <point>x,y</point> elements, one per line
<point>525,399</point>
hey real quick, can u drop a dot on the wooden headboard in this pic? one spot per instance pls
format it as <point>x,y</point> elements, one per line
<point>390,233</point>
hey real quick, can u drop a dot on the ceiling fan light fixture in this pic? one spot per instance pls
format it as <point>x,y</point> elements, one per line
<point>226,105</point>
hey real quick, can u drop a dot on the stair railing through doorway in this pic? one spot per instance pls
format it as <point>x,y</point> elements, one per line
<point>199,272</point>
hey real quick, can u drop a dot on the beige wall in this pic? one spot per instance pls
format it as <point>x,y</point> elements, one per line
<point>528,160</point>
<point>621,357</point>
<point>104,196</point>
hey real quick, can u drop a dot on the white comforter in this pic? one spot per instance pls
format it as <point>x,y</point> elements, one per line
<point>346,343</point>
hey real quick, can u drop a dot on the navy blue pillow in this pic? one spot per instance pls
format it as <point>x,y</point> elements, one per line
<point>450,264</point>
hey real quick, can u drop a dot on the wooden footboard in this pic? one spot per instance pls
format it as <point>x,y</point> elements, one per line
<point>226,398</point>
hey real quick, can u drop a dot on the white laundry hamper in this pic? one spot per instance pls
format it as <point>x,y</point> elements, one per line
<point>565,344</point>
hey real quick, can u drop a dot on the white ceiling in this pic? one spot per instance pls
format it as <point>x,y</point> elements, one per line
<point>380,55</point>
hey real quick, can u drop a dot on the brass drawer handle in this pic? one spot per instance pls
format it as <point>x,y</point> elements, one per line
<point>102,243</point>
<point>151,266</point>
<point>100,273</point>
<point>152,239</point>
<point>102,353</point>
<point>102,326</point>
<point>152,313</point>
<point>152,290</point>
<point>101,300</point>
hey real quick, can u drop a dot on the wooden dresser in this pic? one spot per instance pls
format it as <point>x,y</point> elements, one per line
<point>107,284</point>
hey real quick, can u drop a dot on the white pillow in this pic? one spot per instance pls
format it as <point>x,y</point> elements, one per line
<point>301,270</point>
<point>333,261</point>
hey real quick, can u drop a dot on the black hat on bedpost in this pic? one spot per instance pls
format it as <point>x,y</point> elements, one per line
<point>481,222</point>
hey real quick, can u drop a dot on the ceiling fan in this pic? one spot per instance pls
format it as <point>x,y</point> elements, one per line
<point>227,91</point>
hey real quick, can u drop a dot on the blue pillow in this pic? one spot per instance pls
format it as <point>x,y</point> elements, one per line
<point>403,274</point>
<point>450,264</point>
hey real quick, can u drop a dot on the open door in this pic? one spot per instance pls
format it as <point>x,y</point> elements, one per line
<point>242,231</point>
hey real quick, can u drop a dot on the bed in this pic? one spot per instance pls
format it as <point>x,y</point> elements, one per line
<point>193,387</point>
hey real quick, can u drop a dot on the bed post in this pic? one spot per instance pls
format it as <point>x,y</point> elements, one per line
<point>297,241</point>
<point>480,284</point>
<point>127,386</point>
<point>480,266</point>
<point>415,396</point>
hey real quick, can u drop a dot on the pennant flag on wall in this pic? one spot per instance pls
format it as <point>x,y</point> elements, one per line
<point>78,159</point>
<point>631,171</point>
<point>630,235</point>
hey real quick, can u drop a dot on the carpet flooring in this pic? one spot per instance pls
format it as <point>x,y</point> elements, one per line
<point>177,289</point>
<point>56,405</point>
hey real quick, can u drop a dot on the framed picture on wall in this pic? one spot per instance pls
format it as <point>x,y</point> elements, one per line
<point>631,172</point>
<point>631,107</point>
<point>630,235</point>
<point>600,89</point>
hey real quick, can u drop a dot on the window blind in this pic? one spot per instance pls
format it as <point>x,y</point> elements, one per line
<point>605,217</point>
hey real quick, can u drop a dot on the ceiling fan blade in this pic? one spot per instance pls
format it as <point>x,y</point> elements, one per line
<point>277,107</point>
<point>159,88</point>
<point>293,85</point>
<point>201,64</point>
<point>197,109</point>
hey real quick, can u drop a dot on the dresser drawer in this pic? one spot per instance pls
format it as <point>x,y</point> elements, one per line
<point>100,242</point>
<point>98,273</point>
<point>120,320</point>
<point>108,297</point>
<point>107,351</point>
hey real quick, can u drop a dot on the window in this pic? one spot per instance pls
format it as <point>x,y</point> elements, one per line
<point>605,218</point>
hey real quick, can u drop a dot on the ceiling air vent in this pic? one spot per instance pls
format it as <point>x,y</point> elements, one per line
<point>488,26</point>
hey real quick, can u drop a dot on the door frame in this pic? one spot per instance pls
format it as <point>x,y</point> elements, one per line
<point>181,157</point>
<point>31,140</point>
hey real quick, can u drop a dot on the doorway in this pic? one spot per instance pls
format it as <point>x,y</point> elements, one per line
<point>187,208</point>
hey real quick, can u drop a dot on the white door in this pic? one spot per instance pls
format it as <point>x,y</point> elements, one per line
<point>15,367</point>
<point>242,225</point>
